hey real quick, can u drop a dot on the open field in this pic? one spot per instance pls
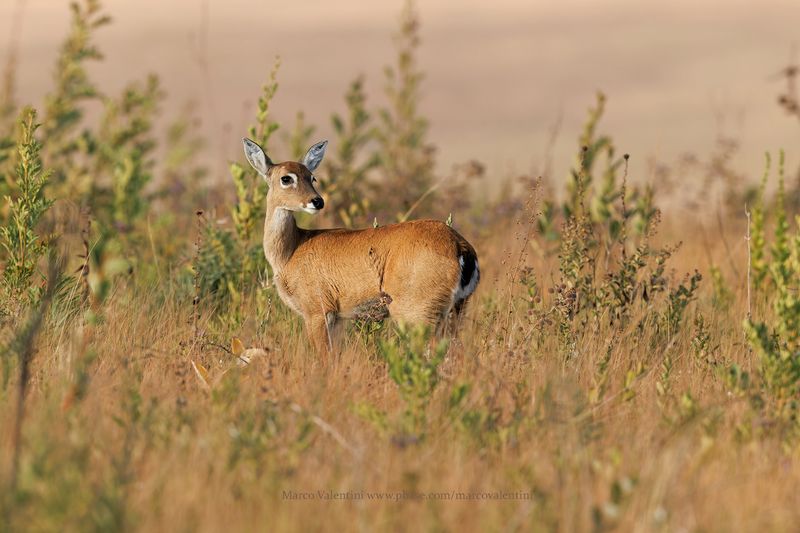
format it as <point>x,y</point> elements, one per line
<point>497,81</point>
<point>630,360</point>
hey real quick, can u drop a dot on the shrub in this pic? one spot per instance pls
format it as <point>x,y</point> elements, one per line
<point>610,271</point>
<point>413,367</point>
<point>72,87</point>
<point>348,171</point>
<point>406,157</point>
<point>20,238</point>
<point>776,339</point>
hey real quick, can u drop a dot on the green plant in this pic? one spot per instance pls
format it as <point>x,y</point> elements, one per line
<point>7,145</point>
<point>664,385</point>
<point>20,238</point>
<point>722,293</point>
<point>757,243</point>
<point>609,273</point>
<point>182,185</point>
<point>183,146</point>
<point>704,349</point>
<point>412,364</point>
<point>406,156</point>
<point>347,187</point>
<point>125,145</point>
<point>606,199</point>
<point>106,166</point>
<point>8,112</point>
<point>600,384</point>
<point>216,260</point>
<point>678,299</point>
<point>63,106</point>
<point>231,264</point>
<point>776,341</point>
<point>251,189</point>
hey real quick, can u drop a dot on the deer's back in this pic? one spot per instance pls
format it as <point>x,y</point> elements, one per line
<point>416,263</point>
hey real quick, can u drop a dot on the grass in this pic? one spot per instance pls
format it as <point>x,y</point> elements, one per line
<point>148,446</point>
<point>619,368</point>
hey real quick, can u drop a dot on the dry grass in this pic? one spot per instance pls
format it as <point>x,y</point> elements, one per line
<point>588,388</point>
<point>148,447</point>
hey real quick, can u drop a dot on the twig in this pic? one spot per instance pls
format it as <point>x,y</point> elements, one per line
<point>196,281</point>
<point>721,228</point>
<point>221,347</point>
<point>749,260</point>
<point>623,192</point>
<point>327,428</point>
<point>153,248</point>
<point>530,205</point>
<point>422,198</point>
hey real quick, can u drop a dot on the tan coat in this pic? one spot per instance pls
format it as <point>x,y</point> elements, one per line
<point>425,267</point>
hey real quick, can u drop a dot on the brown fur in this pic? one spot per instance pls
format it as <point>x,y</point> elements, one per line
<point>325,275</point>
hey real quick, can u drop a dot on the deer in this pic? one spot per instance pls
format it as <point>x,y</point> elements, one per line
<point>414,272</point>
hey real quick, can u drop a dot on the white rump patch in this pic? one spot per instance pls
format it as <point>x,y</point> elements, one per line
<point>462,293</point>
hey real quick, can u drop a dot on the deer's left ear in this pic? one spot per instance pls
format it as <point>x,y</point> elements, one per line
<point>314,155</point>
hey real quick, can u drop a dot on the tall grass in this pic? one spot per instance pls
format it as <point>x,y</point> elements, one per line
<point>609,374</point>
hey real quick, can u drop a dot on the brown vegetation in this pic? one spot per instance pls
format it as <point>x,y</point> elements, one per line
<point>621,367</point>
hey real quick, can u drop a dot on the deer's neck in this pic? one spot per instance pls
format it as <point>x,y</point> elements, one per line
<point>281,236</point>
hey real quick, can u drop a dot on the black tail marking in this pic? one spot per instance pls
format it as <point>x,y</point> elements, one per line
<point>467,269</point>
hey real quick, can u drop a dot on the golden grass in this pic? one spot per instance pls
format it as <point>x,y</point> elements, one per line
<point>148,448</point>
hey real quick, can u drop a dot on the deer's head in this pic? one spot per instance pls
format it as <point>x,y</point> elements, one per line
<point>291,183</point>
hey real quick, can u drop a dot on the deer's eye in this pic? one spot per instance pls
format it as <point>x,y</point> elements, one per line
<point>286,180</point>
<point>313,179</point>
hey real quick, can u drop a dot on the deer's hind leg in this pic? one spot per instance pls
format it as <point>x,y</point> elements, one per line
<point>432,314</point>
<point>323,332</point>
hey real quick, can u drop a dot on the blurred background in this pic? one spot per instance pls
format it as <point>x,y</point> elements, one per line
<point>507,83</point>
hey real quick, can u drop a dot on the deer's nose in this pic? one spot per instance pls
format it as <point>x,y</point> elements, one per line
<point>318,202</point>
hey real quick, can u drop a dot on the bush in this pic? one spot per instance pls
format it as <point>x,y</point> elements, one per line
<point>20,237</point>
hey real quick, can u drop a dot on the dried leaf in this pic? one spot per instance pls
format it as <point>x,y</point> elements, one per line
<point>202,374</point>
<point>236,346</point>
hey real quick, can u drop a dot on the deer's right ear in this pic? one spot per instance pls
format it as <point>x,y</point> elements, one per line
<point>256,156</point>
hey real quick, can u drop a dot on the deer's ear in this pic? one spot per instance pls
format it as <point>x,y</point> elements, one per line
<point>314,155</point>
<point>256,157</point>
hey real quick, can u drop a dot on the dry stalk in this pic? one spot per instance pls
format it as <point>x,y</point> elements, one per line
<point>198,243</point>
<point>749,261</point>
